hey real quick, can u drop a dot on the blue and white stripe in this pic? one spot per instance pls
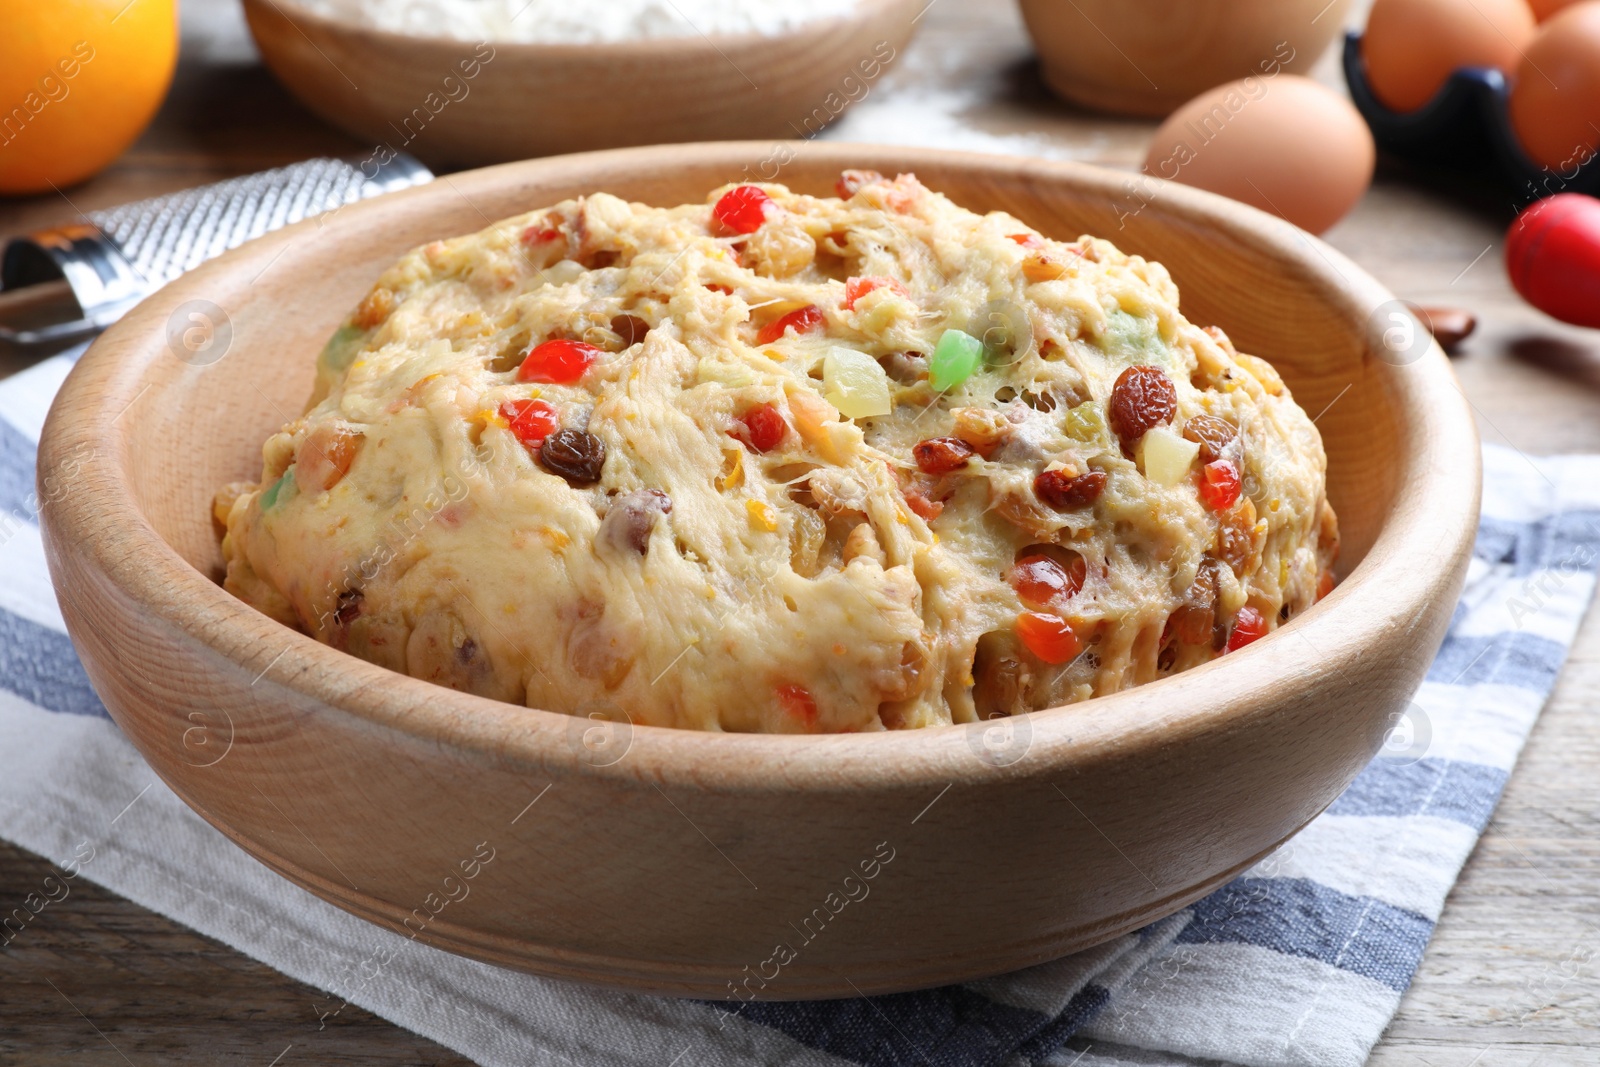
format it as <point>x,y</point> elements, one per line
<point>1302,960</point>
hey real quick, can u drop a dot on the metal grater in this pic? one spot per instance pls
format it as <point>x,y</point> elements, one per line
<point>116,258</point>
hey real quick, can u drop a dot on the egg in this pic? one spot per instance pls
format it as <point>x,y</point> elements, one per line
<point>1555,102</point>
<point>1283,144</point>
<point>1553,257</point>
<point>1411,47</point>
<point>1543,9</point>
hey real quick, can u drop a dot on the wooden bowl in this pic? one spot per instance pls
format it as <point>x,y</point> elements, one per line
<point>1149,57</point>
<point>453,102</point>
<point>666,860</point>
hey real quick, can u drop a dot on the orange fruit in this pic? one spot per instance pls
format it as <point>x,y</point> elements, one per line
<point>79,81</point>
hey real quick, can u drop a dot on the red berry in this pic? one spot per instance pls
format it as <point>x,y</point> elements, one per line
<point>763,427</point>
<point>531,420</point>
<point>560,362</point>
<point>1048,637</point>
<point>798,701</point>
<point>1219,485</point>
<point>1041,582</point>
<point>540,233</point>
<point>743,210</point>
<point>1247,627</point>
<point>856,288</point>
<point>803,320</point>
<point>1553,257</point>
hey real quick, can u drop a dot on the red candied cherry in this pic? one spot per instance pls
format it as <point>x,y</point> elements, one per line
<point>1026,240</point>
<point>531,420</point>
<point>798,702</point>
<point>856,288</point>
<point>1219,485</point>
<point>1040,581</point>
<point>763,427</point>
<point>541,234</point>
<point>744,209</point>
<point>1048,637</point>
<point>559,361</point>
<point>1247,627</point>
<point>801,320</point>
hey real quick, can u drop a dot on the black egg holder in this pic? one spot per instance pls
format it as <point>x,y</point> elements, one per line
<point>1466,127</point>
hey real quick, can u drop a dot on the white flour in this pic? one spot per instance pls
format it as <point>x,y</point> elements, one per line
<point>580,21</point>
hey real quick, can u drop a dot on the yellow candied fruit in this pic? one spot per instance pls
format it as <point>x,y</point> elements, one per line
<point>1283,573</point>
<point>735,474</point>
<point>557,539</point>
<point>762,515</point>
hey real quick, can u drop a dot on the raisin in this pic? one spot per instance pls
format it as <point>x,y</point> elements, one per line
<point>630,520</point>
<point>631,328</point>
<point>941,455</point>
<point>1212,434</point>
<point>349,609</point>
<point>1064,492</point>
<point>576,455</point>
<point>1142,398</point>
<point>1196,619</point>
<point>1000,677</point>
<point>906,368</point>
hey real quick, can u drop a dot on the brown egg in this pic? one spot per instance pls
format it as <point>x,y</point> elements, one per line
<point>1285,145</point>
<point>1543,9</point>
<point>1411,47</point>
<point>1555,102</point>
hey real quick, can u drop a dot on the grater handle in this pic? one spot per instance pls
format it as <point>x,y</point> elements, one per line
<point>111,260</point>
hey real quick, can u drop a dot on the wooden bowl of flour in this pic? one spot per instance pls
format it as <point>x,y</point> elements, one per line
<point>457,102</point>
<point>676,861</point>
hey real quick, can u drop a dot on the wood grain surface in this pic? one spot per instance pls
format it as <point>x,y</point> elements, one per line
<point>1510,976</point>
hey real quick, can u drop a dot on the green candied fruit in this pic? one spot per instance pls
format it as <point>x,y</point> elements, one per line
<point>1136,337</point>
<point>341,348</point>
<point>1086,422</point>
<point>956,358</point>
<point>281,491</point>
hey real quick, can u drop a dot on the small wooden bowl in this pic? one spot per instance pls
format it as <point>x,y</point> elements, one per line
<point>670,861</point>
<point>1149,57</point>
<point>453,102</point>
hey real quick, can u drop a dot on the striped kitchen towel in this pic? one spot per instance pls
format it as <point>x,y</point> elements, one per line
<point>1302,960</point>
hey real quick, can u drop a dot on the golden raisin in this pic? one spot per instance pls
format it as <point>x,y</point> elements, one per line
<point>1212,434</point>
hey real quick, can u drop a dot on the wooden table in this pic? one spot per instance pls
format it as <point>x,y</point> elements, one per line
<point>1510,977</point>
